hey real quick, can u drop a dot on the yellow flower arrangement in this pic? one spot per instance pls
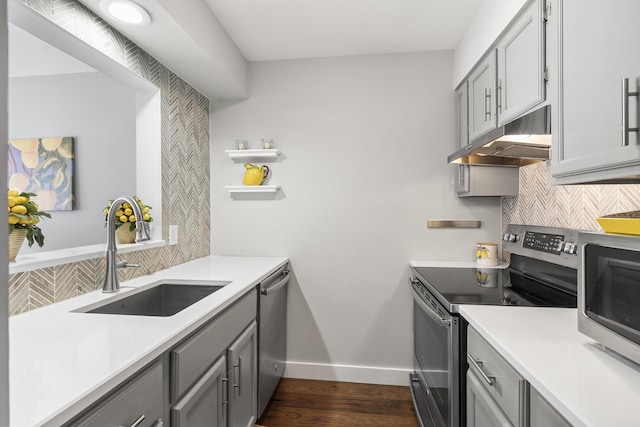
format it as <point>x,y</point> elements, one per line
<point>124,213</point>
<point>24,214</point>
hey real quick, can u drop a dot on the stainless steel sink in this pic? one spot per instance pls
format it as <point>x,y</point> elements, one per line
<point>162,299</point>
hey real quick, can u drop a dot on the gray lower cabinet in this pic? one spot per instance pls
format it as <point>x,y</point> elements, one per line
<point>214,371</point>
<point>497,395</point>
<point>242,359</point>
<point>138,403</point>
<point>204,403</point>
<point>594,112</point>
<point>499,391</point>
<point>482,410</point>
<point>542,414</point>
<point>209,379</point>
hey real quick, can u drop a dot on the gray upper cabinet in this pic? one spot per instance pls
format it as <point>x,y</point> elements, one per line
<point>521,64</point>
<point>482,96</point>
<point>510,79</point>
<point>597,48</point>
<point>462,117</point>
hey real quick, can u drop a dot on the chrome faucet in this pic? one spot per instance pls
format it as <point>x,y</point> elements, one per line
<point>111,283</point>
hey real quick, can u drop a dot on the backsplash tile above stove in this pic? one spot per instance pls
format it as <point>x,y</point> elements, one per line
<point>569,206</point>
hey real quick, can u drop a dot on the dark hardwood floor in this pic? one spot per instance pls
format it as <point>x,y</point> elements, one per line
<point>306,403</point>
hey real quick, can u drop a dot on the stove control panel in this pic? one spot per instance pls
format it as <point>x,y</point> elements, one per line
<point>551,243</point>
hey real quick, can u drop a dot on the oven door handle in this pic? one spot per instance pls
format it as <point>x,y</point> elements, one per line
<point>426,308</point>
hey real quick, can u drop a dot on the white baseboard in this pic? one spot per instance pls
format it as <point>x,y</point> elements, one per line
<point>347,373</point>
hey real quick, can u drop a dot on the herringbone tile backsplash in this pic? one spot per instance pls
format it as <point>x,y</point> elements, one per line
<point>569,206</point>
<point>184,161</point>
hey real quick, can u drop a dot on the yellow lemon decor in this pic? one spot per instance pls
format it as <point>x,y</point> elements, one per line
<point>487,253</point>
<point>482,252</point>
<point>23,217</point>
<point>125,216</point>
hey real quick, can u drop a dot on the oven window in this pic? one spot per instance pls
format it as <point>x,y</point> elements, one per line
<point>612,289</point>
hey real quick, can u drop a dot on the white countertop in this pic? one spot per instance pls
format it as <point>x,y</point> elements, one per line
<point>586,384</point>
<point>61,362</point>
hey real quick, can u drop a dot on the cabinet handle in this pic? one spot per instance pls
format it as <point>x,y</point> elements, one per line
<point>239,378</point>
<point>225,401</point>
<point>476,364</point>
<point>625,112</point>
<point>499,97</point>
<point>138,421</point>
<point>487,104</point>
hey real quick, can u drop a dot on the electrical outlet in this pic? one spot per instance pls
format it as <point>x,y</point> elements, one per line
<point>173,234</point>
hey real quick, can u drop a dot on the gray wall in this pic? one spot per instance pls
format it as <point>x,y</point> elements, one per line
<point>364,142</point>
<point>100,113</point>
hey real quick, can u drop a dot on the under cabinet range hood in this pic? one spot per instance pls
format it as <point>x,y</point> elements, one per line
<point>521,142</point>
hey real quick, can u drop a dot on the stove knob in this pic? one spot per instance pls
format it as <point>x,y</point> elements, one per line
<point>511,237</point>
<point>505,237</point>
<point>570,248</point>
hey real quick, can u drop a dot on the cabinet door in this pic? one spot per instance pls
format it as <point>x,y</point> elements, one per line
<point>482,410</point>
<point>482,97</point>
<point>242,357</point>
<point>521,54</point>
<point>542,414</point>
<point>598,49</point>
<point>462,117</point>
<point>203,404</point>
<point>138,403</point>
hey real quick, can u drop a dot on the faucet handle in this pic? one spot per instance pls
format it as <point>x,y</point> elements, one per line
<point>124,264</point>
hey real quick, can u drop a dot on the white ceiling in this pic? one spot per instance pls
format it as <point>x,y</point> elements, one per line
<point>287,29</point>
<point>207,42</point>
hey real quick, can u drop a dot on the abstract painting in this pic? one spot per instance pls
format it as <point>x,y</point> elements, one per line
<point>43,166</point>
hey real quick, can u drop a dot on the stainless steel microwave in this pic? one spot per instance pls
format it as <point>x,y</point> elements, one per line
<point>609,291</point>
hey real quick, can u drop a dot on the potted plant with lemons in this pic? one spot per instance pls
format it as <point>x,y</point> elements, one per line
<point>23,217</point>
<point>126,220</point>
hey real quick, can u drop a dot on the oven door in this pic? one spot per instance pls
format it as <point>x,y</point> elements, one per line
<point>436,360</point>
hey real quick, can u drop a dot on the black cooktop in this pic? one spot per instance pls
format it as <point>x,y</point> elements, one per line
<point>527,282</point>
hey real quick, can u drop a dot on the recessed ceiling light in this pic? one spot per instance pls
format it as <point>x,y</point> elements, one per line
<point>126,11</point>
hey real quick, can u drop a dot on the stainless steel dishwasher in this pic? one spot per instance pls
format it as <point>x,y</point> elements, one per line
<point>272,339</point>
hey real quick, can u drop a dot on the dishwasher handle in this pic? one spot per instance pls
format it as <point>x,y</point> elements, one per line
<point>274,288</point>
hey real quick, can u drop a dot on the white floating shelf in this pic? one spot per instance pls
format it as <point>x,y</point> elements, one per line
<point>252,188</point>
<point>253,154</point>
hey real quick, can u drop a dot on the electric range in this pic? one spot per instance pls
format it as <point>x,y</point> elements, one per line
<point>542,272</point>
